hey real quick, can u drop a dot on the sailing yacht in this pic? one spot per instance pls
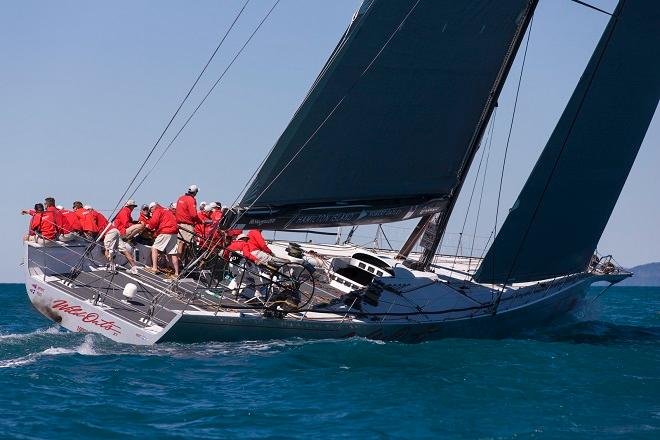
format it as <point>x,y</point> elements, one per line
<point>387,133</point>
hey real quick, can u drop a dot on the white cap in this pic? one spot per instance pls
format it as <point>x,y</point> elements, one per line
<point>173,205</point>
<point>87,207</point>
<point>152,205</point>
<point>131,202</point>
<point>208,208</point>
<point>193,189</point>
<point>60,207</point>
<point>202,204</point>
<point>213,205</point>
<point>242,235</point>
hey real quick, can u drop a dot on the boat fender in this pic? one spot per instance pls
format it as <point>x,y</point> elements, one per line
<point>130,290</point>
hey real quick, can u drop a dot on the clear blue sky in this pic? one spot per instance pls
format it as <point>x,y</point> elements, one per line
<point>86,87</point>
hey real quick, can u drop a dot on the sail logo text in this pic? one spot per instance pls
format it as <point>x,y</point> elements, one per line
<point>87,317</point>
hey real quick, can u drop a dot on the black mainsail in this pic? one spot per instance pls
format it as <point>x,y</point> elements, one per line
<point>385,132</point>
<point>556,222</point>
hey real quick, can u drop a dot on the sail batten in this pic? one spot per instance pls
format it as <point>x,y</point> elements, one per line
<point>389,120</point>
<point>555,224</point>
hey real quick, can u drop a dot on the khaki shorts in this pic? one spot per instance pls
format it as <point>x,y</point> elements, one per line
<point>261,256</point>
<point>36,239</point>
<point>133,230</point>
<point>112,241</point>
<point>68,237</point>
<point>186,232</point>
<point>165,243</point>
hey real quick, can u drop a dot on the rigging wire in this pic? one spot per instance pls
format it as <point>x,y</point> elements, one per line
<point>215,84</point>
<point>591,6</point>
<point>513,117</point>
<point>385,237</point>
<point>467,211</point>
<point>329,115</point>
<point>483,185</point>
<point>558,158</point>
<point>183,101</point>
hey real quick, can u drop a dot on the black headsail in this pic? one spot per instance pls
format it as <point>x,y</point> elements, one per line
<point>383,133</point>
<point>554,226</point>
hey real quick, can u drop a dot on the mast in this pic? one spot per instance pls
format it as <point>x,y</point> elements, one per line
<point>441,224</point>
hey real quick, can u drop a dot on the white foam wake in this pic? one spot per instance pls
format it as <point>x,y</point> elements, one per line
<point>86,348</point>
<point>47,331</point>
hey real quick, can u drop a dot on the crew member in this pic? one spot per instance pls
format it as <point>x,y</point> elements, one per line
<point>216,213</point>
<point>87,220</point>
<point>257,241</point>
<point>124,222</point>
<point>144,215</point>
<point>51,220</point>
<point>35,222</point>
<point>251,251</point>
<point>71,227</point>
<point>186,217</point>
<point>240,246</point>
<point>163,222</point>
<point>204,226</point>
<point>112,242</point>
<point>100,220</point>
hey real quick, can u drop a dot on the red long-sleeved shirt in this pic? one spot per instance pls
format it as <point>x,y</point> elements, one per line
<point>51,223</point>
<point>35,223</point>
<point>101,223</point>
<point>73,221</point>
<point>163,221</point>
<point>202,228</point>
<point>123,219</point>
<point>87,220</point>
<point>241,247</point>
<point>257,240</point>
<point>233,233</point>
<point>216,215</point>
<point>186,210</point>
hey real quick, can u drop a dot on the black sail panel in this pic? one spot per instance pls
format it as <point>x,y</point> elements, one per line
<point>559,217</point>
<point>385,128</point>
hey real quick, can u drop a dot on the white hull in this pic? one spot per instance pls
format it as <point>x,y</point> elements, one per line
<point>446,313</point>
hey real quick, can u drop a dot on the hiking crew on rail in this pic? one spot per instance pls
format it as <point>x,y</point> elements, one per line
<point>169,232</point>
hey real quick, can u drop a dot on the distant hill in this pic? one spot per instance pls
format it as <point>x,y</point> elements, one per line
<point>644,275</point>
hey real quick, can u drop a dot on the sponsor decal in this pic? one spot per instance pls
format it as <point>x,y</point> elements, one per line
<point>259,222</point>
<point>86,317</point>
<point>344,217</point>
<point>36,289</point>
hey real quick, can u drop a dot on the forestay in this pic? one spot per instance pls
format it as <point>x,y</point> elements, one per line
<point>386,127</point>
<point>554,226</point>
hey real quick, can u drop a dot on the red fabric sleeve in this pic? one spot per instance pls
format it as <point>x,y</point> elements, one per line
<point>154,220</point>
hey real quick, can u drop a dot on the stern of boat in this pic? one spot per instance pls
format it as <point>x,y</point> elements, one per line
<point>79,307</point>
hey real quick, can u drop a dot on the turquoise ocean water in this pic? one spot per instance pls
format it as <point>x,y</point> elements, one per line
<point>594,377</point>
